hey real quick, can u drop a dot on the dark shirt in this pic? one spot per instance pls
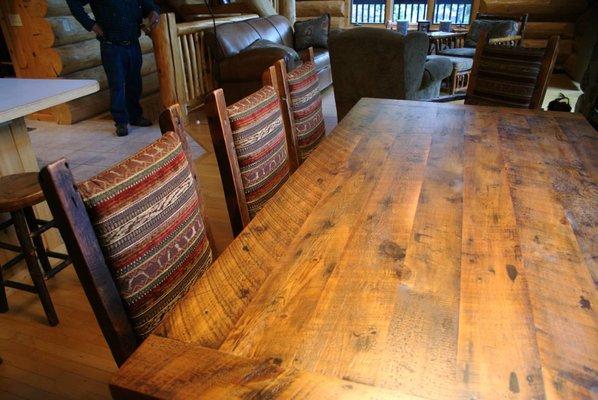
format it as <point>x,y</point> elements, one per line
<point>119,19</point>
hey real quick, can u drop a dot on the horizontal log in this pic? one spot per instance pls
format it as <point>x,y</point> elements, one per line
<point>98,74</point>
<point>186,28</point>
<point>95,104</point>
<point>59,7</point>
<point>336,8</point>
<point>191,9</point>
<point>86,54</point>
<point>68,30</point>
<point>544,30</point>
<point>553,11</point>
<point>335,22</point>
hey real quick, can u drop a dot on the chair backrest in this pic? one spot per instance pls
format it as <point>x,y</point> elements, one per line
<point>250,143</point>
<point>302,106</point>
<point>379,63</point>
<point>498,26</point>
<point>510,76</point>
<point>123,228</point>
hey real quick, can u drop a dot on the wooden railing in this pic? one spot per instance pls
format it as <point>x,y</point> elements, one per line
<point>182,59</point>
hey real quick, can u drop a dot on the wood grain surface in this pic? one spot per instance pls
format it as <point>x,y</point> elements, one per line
<point>424,249</point>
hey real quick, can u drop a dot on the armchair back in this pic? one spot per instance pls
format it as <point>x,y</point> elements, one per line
<point>370,62</point>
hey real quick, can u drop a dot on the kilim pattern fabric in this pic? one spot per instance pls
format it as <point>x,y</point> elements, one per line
<point>146,214</point>
<point>507,76</point>
<point>260,144</point>
<point>306,104</point>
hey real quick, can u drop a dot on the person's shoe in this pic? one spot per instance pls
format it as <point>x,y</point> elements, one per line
<point>142,121</point>
<point>122,130</point>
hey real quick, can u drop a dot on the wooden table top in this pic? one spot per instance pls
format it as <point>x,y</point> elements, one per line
<point>19,97</point>
<point>424,250</point>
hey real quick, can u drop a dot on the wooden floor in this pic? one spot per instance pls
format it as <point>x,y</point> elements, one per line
<point>72,360</point>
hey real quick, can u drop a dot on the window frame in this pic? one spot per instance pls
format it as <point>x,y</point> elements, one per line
<point>388,11</point>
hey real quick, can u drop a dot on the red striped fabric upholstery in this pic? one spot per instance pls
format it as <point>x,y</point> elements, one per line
<point>146,215</point>
<point>306,105</point>
<point>260,144</point>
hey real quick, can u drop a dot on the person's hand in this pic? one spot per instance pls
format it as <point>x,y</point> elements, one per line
<point>97,30</point>
<point>154,19</point>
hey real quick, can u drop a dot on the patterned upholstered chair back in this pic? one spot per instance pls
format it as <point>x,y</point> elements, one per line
<point>136,234</point>
<point>302,106</point>
<point>510,76</point>
<point>249,139</point>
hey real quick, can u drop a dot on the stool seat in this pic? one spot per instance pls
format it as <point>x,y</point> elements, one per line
<point>18,191</point>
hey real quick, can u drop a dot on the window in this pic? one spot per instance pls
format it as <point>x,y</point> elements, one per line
<point>375,11</point>
<point>457,11</point>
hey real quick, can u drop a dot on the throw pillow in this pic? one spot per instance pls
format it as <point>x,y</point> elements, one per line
<point>312,33</point>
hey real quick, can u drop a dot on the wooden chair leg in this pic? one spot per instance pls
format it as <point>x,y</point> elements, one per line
<point>23,235</point>
<point>38,242</point>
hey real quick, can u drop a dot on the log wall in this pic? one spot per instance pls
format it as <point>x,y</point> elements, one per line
<point>546,18</point>
<point>47,42</point>
<point>338,10</point>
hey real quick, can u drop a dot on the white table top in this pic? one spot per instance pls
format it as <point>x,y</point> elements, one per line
<point>19,97</point>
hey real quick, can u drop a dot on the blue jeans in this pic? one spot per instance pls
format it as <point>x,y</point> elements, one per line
<point>123,69</point>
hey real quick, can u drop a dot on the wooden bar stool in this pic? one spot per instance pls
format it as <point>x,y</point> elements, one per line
<point>18,194</point>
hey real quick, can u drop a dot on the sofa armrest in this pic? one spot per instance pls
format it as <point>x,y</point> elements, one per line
<point>250,65</point>
<point>436,69</point>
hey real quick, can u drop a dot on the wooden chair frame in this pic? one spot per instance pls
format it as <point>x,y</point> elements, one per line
<point>226,155</point>
<point>550,54</point>
<point>82,244</point>
<point>280,81</point>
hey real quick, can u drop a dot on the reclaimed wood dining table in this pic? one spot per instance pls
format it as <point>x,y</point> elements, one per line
<point>424,250</point>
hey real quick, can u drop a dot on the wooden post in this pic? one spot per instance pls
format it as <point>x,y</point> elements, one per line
<point>287,8</point>
<point>164,61</point>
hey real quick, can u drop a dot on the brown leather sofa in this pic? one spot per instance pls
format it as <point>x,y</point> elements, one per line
<point>238,71</point>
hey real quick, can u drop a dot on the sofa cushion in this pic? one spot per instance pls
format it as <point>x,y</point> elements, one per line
<point>468,52</point>
<point>232,38</point>
<point>250,65</point>
<point>312,33</point>
<point>459,63</point>
<point>496,29</point>
<point>306,105</point>
<point>260,143</point>
<point>263,43</point>
<point>146,215</point>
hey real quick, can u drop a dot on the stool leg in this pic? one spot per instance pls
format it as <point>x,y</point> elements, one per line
<point>38,242</point>
<point>3,299</point>
<point>35,271</point>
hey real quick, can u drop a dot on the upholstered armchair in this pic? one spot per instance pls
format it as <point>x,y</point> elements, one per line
<point>379,63</point>
<point>502,29</point>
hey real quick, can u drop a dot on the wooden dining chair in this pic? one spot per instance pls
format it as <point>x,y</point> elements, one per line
<point>251,147</point>
<point>136,235</point>
<point>510,76</point>
<point>302,104</point>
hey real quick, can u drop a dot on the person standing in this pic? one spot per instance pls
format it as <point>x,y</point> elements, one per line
<point>117,25</point>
